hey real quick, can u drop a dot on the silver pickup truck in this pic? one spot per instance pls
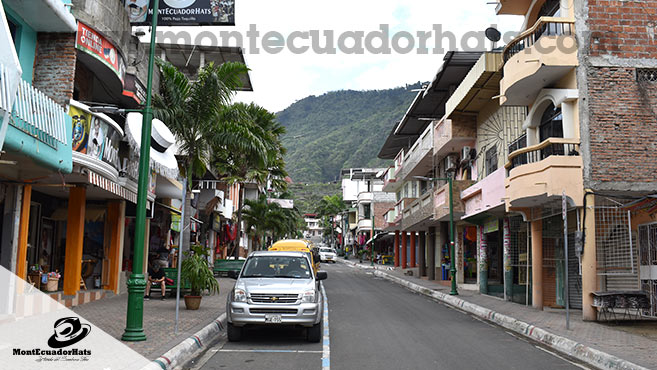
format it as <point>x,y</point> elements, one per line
<point>276,288</point>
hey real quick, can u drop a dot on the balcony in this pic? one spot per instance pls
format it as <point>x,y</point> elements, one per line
<point>38,127</point>
<point>365,197</point>
<point>452,134</point>
<point>390,183</point>
<point>418,212</point>
<point>537,58</point>
<point>417,161</point>
<point>441,200</point>
<point>545,170</point>
<point>365,224</point>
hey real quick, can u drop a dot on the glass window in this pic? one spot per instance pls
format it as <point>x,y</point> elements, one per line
<point>551,123</point>
<point>277,267</point>
<point>551,8</point>
<point>491,160</point>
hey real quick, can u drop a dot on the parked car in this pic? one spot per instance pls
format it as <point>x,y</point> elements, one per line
<point>299,245</point>
<point>327,255</point>
<point>276,288</point>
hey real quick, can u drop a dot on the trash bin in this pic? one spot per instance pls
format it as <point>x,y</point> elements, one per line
<point>445,271</point>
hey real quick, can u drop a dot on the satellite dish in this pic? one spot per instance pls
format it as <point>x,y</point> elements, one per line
<point>493,34</point>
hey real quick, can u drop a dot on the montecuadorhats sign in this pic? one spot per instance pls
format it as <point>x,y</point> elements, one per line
<point>182,12</point>
<point>68,331</point>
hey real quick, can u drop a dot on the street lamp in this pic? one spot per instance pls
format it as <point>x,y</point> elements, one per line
<point>134,330</point>
<point>452,245</point>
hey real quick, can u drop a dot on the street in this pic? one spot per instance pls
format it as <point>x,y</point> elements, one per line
<point>375,324</point>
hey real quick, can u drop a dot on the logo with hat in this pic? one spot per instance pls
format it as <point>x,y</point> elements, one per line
<point>68,331</point>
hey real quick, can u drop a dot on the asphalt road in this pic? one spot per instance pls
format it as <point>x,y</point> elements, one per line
<point>375,324</point>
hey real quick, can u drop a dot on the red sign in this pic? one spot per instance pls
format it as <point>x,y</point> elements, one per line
<point>93,43</point>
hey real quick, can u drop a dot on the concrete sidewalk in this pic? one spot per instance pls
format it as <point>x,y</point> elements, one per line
<point>627,345</point>
<point>159,319</point>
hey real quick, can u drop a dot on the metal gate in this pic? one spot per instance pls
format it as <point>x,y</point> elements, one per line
<point>648,264</point>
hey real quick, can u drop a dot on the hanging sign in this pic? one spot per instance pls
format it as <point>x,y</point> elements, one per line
<point>182,12</point>
<point>93,43</point>
<point>491,225</point>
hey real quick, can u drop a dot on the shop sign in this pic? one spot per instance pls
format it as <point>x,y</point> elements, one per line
<point>94,137</point>
<point>134,89</point>
<point>182,12</point>
<point>216,223</point>
<point>175,222</point>
<point>491,225</point>
<point>93,43</point>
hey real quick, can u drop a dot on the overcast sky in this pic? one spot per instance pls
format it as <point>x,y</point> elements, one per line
<point>281,79</point>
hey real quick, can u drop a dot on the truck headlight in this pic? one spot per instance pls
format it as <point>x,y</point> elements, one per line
<point>239,295</point>
<point>308,296</point>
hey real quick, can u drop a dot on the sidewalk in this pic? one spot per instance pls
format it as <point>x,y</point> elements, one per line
<point>592,342</point>
<point>159,318</point>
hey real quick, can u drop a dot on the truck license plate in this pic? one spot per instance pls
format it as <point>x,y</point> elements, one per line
<point>274,319</point>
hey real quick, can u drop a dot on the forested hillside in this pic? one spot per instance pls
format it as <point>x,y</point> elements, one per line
<point>340,129</point>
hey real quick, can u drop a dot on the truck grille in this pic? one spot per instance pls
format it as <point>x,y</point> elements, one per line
<point>274,298</point>
<point>291,311</point>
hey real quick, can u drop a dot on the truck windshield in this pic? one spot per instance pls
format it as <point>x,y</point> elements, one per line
<point>277,267</point>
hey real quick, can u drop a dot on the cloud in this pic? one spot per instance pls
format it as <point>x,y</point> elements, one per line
<point>281,79</point>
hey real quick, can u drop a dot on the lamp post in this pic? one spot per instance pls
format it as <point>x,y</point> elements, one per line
<point>134,330</point>
<point>452,245</point>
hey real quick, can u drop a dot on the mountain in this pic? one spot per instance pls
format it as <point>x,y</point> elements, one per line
<point>340,129</point>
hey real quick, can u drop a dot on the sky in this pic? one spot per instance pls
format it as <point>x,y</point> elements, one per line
<point>283,78</point>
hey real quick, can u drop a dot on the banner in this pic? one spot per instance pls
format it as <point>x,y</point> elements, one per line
<point>182,12</point>
<point>93,43</point>
<point>81,125</point>
<point>94,137</point>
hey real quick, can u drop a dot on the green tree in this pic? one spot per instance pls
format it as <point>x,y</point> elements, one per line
<point>193,110</point>
<point>329,207</point>
<point>241,162</point>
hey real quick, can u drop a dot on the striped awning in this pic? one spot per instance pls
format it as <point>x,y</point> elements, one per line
<point>114,188</point>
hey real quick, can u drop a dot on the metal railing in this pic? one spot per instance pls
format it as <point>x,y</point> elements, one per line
<point>545,26</point>
<point>518,144</point>
<point>38,116</point>
<point>537,153</point>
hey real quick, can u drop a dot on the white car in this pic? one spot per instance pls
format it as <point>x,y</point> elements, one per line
<point>327,255</point>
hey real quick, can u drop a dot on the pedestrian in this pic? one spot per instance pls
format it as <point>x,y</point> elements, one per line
<point>155,276</point>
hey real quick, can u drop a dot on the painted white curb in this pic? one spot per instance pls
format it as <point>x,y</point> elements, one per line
<point>591,356</point>
<point>190,347</point>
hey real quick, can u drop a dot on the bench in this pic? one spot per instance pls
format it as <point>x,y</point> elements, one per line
<point>171,273</point>
<point>223,266</point>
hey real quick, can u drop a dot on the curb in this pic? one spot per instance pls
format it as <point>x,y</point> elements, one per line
<point>579,351</point>
<point>190,347</point>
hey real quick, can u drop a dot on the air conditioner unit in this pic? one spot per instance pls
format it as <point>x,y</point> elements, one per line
<point>451,162</point>
<point>465,154</point>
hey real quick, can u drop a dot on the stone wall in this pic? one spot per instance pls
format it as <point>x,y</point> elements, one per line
<point>54,66</point>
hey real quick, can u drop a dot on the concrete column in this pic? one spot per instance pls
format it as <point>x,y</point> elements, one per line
<point>413,264</point>
<point>589,262</point>
<point>403,250</point>
<point>396,248</point>
<point>116,222</point>
<point>21,258</point>
<point>431,254</point>
<point>483,260</point>
<point>508,272</point>
<point>537,264</point>
<point>422,250</point>
<point>74,239</point>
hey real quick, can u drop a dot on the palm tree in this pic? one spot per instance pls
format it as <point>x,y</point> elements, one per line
<point>238,161</point>
<point>193,110</point>
<point>265,219</point>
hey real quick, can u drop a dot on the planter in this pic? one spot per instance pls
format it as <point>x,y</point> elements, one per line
<point>52,284</point>
<point>192,302</point>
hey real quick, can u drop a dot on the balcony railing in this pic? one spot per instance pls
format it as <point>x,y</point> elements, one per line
<point>422,147</point>
<point>545,26</point>
<point>36,114</point>
<point>537,153</point>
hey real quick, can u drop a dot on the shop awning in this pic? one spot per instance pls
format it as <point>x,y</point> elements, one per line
<point>178,212</point>
<point>162,156</point>
<point>380,236</point>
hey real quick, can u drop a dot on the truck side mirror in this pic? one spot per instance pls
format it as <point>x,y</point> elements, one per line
<point>322,275</point>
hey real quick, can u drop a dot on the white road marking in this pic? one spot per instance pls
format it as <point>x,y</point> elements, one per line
<point>268,351</point>
<point>563,358</point>
<point>326,353</point>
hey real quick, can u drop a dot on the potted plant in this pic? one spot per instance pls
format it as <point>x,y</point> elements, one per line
<point>196,272</point>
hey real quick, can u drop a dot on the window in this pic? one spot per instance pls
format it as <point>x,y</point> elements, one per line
<point>13,29</point>
<point>551,123</point>
<point>551,8</point>
<point>491,160</point>
<point>366,211</point>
